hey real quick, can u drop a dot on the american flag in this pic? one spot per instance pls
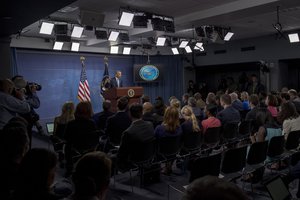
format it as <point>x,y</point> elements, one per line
<point>84,89</point>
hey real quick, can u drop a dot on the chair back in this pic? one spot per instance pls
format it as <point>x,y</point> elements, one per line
<point>208,165</point>
<point>257,153</point>
<point>292,141</point>
<point>89,142</point>
<point>234,160</point>
<point>276,146</point>
<point>169,146</point>
<point>144,151</point>
<point>191,141</point>
<point>212,135</point>
<point>60,130</point>
<point>230,130</point>
<point>245,128</point>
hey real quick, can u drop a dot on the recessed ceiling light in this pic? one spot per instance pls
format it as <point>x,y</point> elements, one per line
<point>58,45</point>
<point>160,41</point>
<point>175,51</point>
<point>188,49</point>
<point>77,31</point>
<point>113,36</point>
<point>114,49</point>
<point>183,44</point>
<point>126,50</point>
<point>75,46</point>
<point>126,19</point>
<point>294,37</point>
<point>46,28</point>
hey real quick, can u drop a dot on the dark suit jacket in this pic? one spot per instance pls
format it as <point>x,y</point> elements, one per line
<point>101,118</point>
<point>116,125</point>
<point>229,115</point>
<point>251,115</point>
<point>133,138</point>
<point>113,82</point>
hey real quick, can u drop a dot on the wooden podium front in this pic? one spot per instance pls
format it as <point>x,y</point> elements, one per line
<point>113,94</point>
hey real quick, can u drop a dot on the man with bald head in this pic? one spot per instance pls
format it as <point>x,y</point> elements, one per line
<point>148,112</point>
<point>116,81</point>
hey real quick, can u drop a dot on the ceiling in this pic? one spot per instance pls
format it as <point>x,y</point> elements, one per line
<point>247,19</point>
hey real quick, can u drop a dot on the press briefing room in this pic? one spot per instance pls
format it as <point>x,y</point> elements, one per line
<point>150,100</point>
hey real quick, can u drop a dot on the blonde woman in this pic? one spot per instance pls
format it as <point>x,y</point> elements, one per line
<point>191,123</point>
<point>60,122</point>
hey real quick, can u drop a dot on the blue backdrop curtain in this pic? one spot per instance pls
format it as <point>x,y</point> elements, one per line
<point>59,75</point>
<point>172,81</point>
<point>14,62</point>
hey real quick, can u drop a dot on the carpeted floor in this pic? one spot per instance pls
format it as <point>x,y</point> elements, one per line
<point>169,187</point>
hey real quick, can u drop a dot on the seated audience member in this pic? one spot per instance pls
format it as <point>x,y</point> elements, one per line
<point>200,102</point>
<point>91,177</point>
<point>185,98</point>
<point>14,143</point>
<point>229,114</point>
<point>211,98</point>
<point>159,110</point>
<point>271,102</point>
<point>10,106</point>
<point>101,118</point>
<point>148,112</point>
<point>145,98</point>
<point>78,132</point>
<point>60,122</point>
<point>197,111</point>
<point>253,101</point>
<point>265,125</point>
<point>218,103</point>
<point>285,97</point>
<point>134,137</point>
<point>211,121</point>
<point>36,175</point>
<point>171,98</point>
<point>245,100</point>
<point>295,99</point>
<point>284,90</point>
<point>119,122</point>
<point>176,104</point>
<point>235,102</point>
<point>290,117</point>
<point>170,127</point>
<point>213,188</point>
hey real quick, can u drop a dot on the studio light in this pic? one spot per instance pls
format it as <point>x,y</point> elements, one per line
<point>175,51</point>
<point>113,36</point>
<point>124,37</point>
<point>183,44</point>
<point>188,49</point>
<point>169,25</point>
<point>158,24</point>
<point>75,46</point>
<point>140,21</point>
<point>58,45</point>
<point>101,34</point>
<point>46,28</point>
<point>126,18</point>
<point>114,49</point>
<point>228,36</point>
<point>293,37</point>
<point>126,50</point>
<point>199,46</point>
<point>160,41</point>
<point>77,32</point>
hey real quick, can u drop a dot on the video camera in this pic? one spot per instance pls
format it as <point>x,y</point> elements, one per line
<point>30,85</point>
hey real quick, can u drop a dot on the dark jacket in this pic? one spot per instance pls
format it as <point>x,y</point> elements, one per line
<point>229,115</point>
<point>116,125</point>
<point>114,84</point>
<point>101,119</point>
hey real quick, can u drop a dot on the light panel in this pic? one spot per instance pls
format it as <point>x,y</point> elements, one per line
<point>46,28</point>
<point>175,51</point>
<point>77,32</point>
<point>126,50</point>
<point>114,49</point>
<point>160,41</point>
<point>228,36</point>
<point>188,49</point>
<point>126,19</point>
<point>58,45</point>
<point>183,44</point>
<point>294,37</point>
<point>113,36</point>
<point>75,46</point>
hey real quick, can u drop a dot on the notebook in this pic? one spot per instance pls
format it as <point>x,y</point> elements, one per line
<point>50,128</point>
<point>277,189</point>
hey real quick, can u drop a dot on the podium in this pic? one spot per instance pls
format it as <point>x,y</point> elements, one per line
<point>113,94</point>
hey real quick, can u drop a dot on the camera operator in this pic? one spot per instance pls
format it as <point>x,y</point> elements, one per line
<point>29,90</point>
<point>9,105</point>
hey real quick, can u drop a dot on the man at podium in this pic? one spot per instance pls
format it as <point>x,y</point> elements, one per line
<point>116,81</point>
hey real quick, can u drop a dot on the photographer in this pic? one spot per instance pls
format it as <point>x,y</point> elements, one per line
<point>29,90</point>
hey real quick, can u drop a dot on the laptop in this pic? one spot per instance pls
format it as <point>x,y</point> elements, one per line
<point>277,189</point>
<point>50,128</point>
